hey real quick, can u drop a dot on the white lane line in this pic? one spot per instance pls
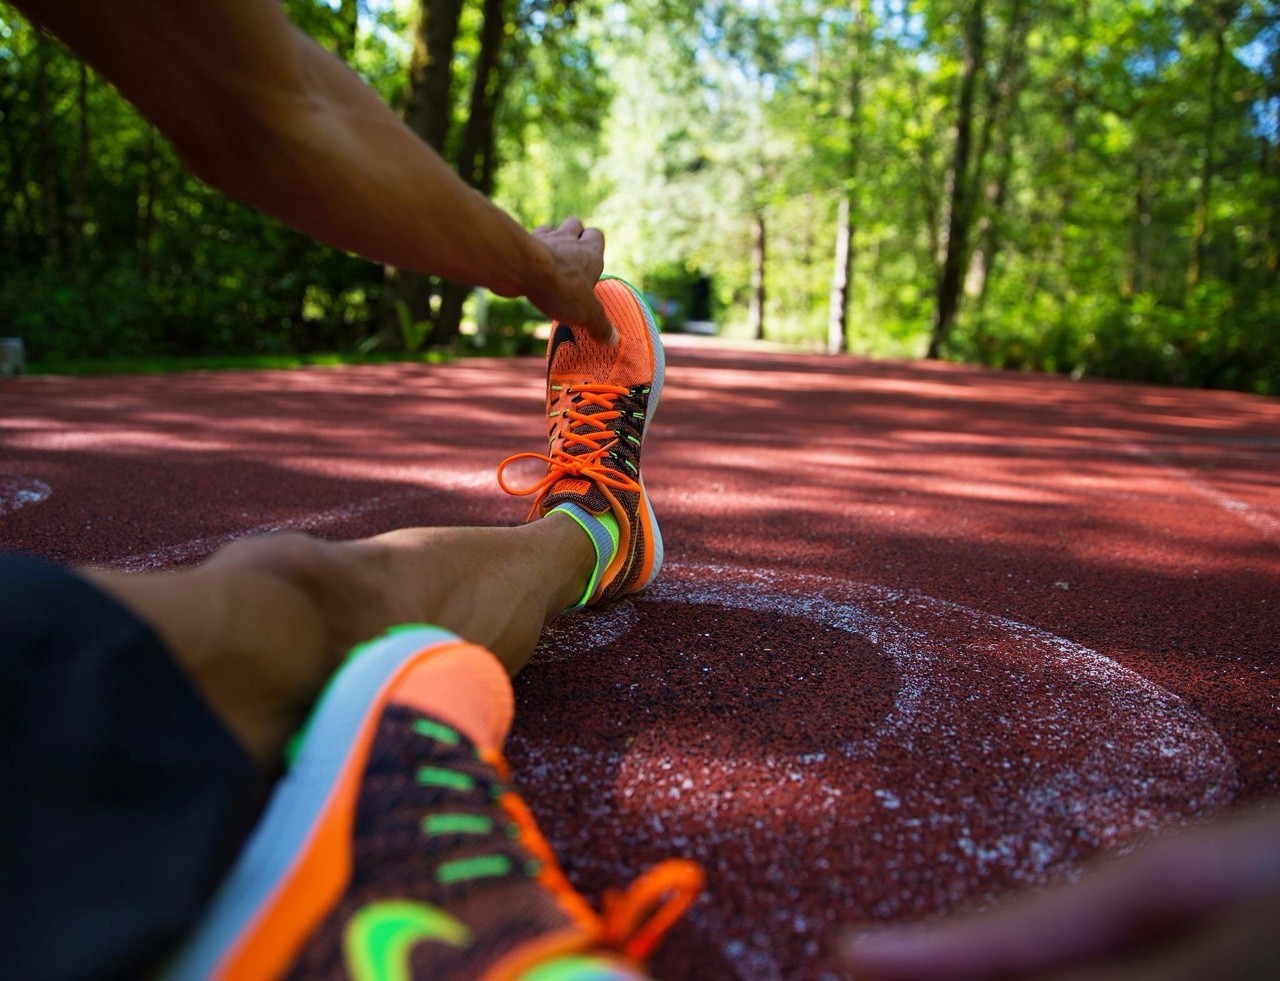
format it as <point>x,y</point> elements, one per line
<point>1255,518</point>
<point>199,548</point>
<point>20,492</point>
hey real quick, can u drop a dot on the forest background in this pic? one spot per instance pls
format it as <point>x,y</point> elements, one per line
<point>1082,186</point>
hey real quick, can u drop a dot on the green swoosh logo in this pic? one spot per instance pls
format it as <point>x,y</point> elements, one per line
<point>379,937</point>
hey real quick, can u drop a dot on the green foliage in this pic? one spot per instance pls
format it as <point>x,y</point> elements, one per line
<point>1217,339</point>
<point>1214,340</point>
<point>512,314</point>
<point>1124,205</point>
<point>109,248</point>
<point>672,289</point>
<point>508,327</point>
<point>58,318</point>
<point>413,333</point>
<point>157,365</point>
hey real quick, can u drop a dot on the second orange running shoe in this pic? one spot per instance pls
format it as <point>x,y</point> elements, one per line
<point>600,402</point>
<point>394,847</point>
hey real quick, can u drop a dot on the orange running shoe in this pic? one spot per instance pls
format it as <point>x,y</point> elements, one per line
<point>393,847</point>
<point>600,402</point>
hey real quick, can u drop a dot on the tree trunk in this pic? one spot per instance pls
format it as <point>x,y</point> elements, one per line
<point>78,209</point>
<point>430,104</point>
<point>349,18</point>
<point>1001,109</point>
<point>842,275</point>
<point>1200,232</point>
<point>842,268</point>
<point>988,235</point>
<point>1003,96</point>
<point>1140,261</point>
<point>475,164</point>
<point>1272,152</point>
<point>16,216</point>
<point>758,255</point>
<point>960,207</point>
<point>1003,91</point>
<point>1075,84</point>
<point>148,203</point>
<point>927,185</point>
<point>48,172</point>
<point>427,112</point>
<point>486,93</point>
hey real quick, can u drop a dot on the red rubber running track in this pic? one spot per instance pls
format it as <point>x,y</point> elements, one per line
<point>926,633</point>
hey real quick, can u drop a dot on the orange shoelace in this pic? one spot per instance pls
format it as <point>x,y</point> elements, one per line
<point>589,464</point>
<point>638,917</point>
<point>634,920</point>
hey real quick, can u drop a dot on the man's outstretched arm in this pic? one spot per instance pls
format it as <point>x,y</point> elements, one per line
<point>261,112</point>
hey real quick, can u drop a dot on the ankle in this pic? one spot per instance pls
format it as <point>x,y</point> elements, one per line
<point>570,545</point>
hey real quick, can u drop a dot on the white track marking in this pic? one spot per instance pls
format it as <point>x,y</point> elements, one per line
<point>1104,755</point>
<point>198,548</point>
<point>20,492</point>
<point>561,639</point>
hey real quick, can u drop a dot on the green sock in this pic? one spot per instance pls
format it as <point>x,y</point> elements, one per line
<point>602,529</point>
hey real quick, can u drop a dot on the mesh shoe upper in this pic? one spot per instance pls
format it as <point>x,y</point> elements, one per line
<point>436,857</point>
<point>452,879</point>
<point>393,849</point>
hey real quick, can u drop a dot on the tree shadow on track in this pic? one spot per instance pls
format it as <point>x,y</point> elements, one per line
<point>1111,515</point>
<point>151,472</point>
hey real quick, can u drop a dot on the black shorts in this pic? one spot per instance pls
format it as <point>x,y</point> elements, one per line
<point>123,798</point>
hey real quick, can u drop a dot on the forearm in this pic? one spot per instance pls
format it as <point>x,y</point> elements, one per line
<point>341,166</point>
<point>261,112</point>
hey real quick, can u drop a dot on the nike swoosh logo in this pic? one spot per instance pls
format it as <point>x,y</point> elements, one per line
<point>563,335</point>
<point>380,936</point>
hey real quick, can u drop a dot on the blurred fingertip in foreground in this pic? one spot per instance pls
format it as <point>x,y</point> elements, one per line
<point>873,953</point>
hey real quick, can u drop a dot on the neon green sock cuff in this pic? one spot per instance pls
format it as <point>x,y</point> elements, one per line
<point>603,531</point>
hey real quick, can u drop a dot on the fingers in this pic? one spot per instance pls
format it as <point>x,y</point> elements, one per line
<point>594,319</point>
<point>1171,883</point>
<point>573,226</point>
<point>577,255</point>
<point>1061,926</point>
<point>1024,936</point>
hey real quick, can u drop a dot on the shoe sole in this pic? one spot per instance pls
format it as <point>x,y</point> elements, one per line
<point>315,800</point>
<point>645,511</point>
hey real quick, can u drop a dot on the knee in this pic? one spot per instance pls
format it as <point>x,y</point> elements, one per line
<point>298,560</point>
<point>344,583</point>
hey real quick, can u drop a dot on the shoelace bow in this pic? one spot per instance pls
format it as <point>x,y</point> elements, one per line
<point>633,920</point>
<point>589,464</point>
<point>638,917</point>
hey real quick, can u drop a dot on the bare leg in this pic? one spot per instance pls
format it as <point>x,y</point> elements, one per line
<point>262,624</point>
